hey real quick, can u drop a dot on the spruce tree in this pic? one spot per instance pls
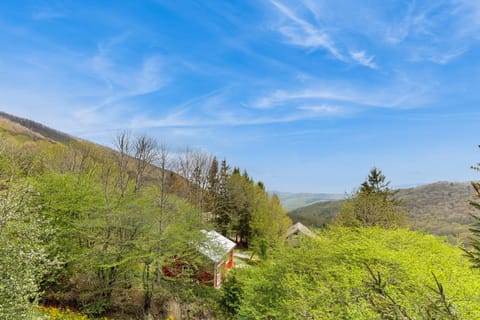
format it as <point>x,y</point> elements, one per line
<point>375,182</point>
<point>374,204</point>
<point>474,252</point>
<point>223,206</point>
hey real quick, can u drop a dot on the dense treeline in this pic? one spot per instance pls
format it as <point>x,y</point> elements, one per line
<point>91,228</point>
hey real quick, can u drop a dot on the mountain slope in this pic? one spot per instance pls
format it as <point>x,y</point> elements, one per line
<point>31,129</point>
<point>291,201</point>
<point>440,208</point>
<point>34,137</point>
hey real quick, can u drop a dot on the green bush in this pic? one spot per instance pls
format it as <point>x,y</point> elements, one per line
<point>328,277</point>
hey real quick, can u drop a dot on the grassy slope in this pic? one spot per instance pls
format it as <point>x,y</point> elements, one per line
<point>440,208</point>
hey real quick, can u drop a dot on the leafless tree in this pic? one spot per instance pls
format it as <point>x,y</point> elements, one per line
<point>123,148</point>
<point>194,167</point>
<point>145,152</point>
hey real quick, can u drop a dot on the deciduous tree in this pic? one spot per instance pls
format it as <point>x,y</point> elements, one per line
<point>374,204</point>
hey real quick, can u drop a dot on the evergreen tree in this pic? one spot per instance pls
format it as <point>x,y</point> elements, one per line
<point>213,176</point>
<point>222,209</point>
<point>212,188</point>
<point>374,204</point>
<point>375,182</point>
<point>474,252</point>
<point>241,190</point>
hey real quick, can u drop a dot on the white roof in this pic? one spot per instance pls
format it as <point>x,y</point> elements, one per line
<point>216,246</point>
<point>300,228</point>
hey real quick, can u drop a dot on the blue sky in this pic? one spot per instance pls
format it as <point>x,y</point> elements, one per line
<point>306,95</point>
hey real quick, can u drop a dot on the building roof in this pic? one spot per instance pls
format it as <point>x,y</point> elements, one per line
<point>299,228</point>
<point>216,246</point>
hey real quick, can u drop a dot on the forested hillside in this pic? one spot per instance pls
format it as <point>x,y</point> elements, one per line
<point>318,214</point>
<point>441,208</point>
<point>292,200</point>
<point>90,227</point>
<point>34,130</point>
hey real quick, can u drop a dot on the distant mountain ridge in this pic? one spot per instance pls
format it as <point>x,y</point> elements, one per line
<point>440,208</point>
<point>292,200</point>
<point>32,129</point>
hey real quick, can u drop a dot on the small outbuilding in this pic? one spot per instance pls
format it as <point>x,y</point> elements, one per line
<point>298,229</point>
<point>216,259</point>
<point>219,251</point>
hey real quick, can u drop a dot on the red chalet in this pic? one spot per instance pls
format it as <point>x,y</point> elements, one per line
<point>218,259</point>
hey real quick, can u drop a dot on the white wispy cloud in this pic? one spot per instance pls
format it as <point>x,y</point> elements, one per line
<point>118,81</point>
<point>402,94</point>
<point>78,91</point>
<point>362,58</point>
<point>322,109</point>
<point>282,97</point>
<point>301,33</point>
<point>221,109</point>
<point>314,34</point>
<point>434,31</point>
<point>397,32</point>
<point>138,78</point>
<point>437,55</point>
<point>225,120</point>
<point>438,31</point>
<point>469,12</point>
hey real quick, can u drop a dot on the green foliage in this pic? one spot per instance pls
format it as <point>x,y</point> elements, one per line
<point>327,278</point>
<point>474,252</point>
<point>437,304</point>
<point>222,206</point>
<point>23,250</point>
<point>269,223</point>
<point>376,183</point>
<point>370,209</point>
<point>68,199</point>
<point>24,234</point>
<point>231,294</point>
<point>243,210</point>
<point>241,191</point>
<point>113,221</point>
<point>373,204</point>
